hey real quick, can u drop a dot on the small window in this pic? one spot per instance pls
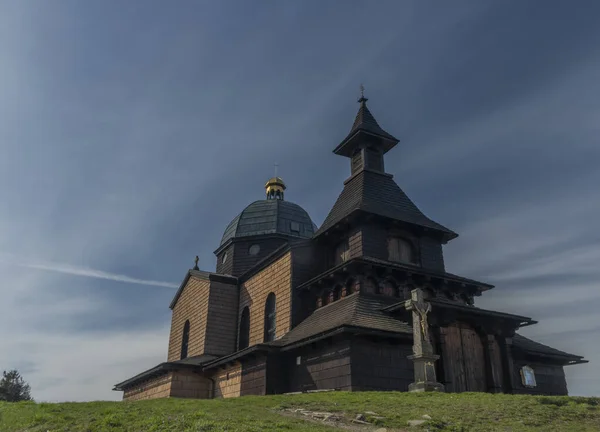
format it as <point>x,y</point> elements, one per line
<point>388,288</point>
<point>401,250</point>
<point>337,293</point>
<point>528,376</point>
<point>224,259</point>
<point>254,250</point>
<point>342,252</point>
<point>298,360</point>
<point>270,318</point>
<point>295,227</point>
<point>185,339</point>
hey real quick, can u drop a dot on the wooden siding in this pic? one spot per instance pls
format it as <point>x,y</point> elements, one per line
<point>307,262</point>
<point>155,388</point>
<point>381,365</point>
<point>221,334</point>
<point>374,241</point>
<point>494,367</point>
<point>550,379</point>
<point>228,381</point>
<point>254,377</point>
<point>187,384</point>
<point>355,243</point>
<point>243,261</point>
<point>193,306</point>
<point>432,256</point>
<point>323,365</point>
<point>275,278</point>
<point>227,267</point>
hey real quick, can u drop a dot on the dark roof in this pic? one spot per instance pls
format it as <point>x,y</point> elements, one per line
<point>365,122</point>
<point>429,272</point>
<point>195,360</point>
<point>356,310</point>
<point>471,310</point>
<point>530,346</point>
<point>270,216</point>
<point>217,277</point>
<point>378,193</point>
<point>162,368</point>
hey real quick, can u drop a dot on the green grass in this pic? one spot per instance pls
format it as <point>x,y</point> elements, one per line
<point>449,412</point>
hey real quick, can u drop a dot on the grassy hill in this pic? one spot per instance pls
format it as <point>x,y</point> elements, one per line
<point>380,412</point>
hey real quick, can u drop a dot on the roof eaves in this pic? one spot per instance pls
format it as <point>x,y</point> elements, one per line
<point>158,370</point>
<point>239,354</point>
<point>428,272</point>
<point>327,272</point>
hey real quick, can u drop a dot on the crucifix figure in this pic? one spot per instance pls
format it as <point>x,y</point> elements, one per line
<point>420,309</point>
<point>196,263</point>
<point>423,319</point>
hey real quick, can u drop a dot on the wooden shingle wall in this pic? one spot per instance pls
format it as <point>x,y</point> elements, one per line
<point>221,330</point>
<point>192,305</point>
<point>275,278</point>
<point>155,388</point>
<point>228,381</point>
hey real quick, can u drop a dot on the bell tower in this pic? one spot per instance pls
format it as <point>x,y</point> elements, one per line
<point>367,142</point>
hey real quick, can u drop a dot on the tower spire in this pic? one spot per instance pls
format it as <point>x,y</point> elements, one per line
<point>365,132</point>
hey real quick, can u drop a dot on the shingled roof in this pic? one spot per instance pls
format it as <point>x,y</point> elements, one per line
<point>365,122</point>
<point>356,310</point>
<point>378,193</point>
<point>163,368</point>
<point>530,346</point>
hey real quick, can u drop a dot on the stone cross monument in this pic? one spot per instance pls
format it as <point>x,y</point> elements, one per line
<point>423,357</point>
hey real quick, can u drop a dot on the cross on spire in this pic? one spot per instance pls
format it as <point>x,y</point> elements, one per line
<point>362,99</point>
<point>276,165</point>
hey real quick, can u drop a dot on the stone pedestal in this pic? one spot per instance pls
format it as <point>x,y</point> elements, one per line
<point>423,357</point>
<point>425,379</point>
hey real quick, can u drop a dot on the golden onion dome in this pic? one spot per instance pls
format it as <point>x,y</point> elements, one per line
<point>275,187</point>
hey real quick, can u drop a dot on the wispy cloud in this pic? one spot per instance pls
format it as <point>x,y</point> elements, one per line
<point>85,272</point>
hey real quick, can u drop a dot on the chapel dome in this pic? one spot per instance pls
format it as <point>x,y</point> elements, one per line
<point>271,216</point>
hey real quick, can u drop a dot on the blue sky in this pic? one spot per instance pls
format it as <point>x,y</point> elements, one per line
<point>132,132</point>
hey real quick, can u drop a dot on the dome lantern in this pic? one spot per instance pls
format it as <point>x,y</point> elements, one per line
<point>275,188</point>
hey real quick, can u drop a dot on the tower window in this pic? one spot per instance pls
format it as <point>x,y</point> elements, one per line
<point>401,250</point>
<point>357,161</point>
<point>374,159</point>
<point>254,250</point>
<point>295,227</point>
<point>185,339</point>
<point>342,252</point>
<point>244,336</point>
<point>224,259</point>
<point>270,318</point>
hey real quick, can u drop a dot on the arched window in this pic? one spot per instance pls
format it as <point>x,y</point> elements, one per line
<point>337,293</point>
<point>371,285</point>
<point>270,315</point>
<point>389,289</point>
<point>185,339</point>
<point>401,250</point>
<point>352,286</point>
<point>244,336</point>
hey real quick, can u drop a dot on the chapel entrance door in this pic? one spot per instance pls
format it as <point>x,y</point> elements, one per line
<point>464,359</point>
